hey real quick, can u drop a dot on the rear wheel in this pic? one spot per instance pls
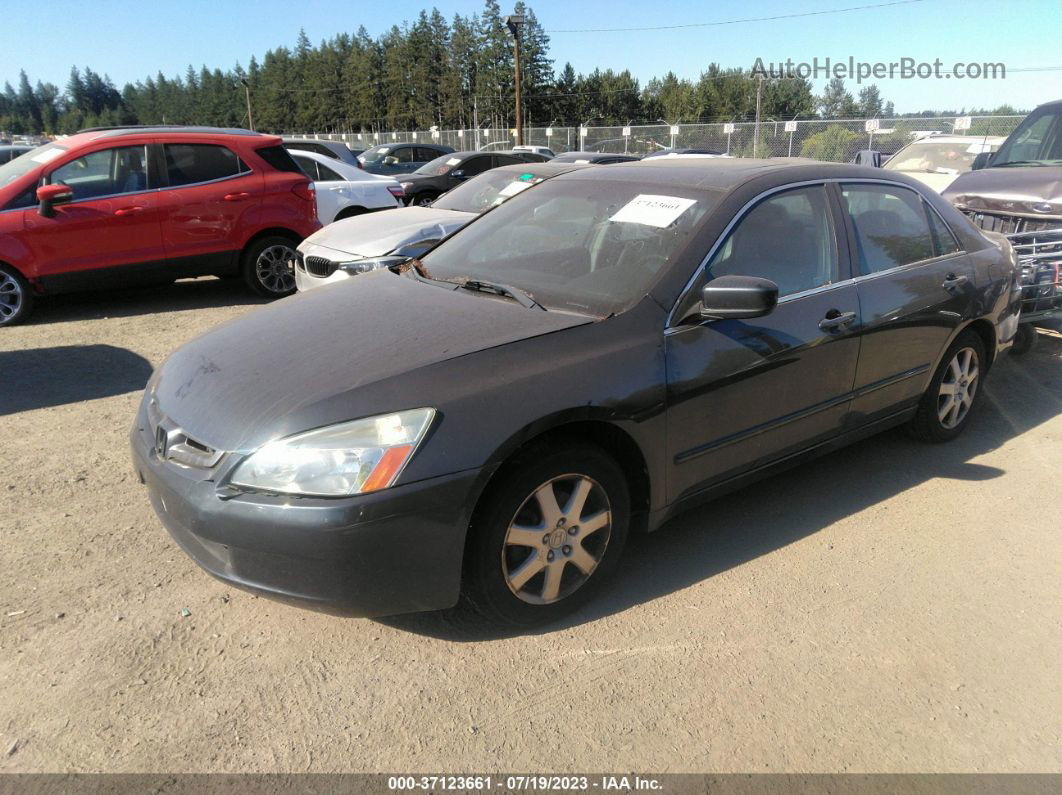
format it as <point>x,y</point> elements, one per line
<point>350,212</point>
<point>269,266</point>
<point>547,536</point>
<point>423,199</point>
<point>953,392</point>
<point>16,297</point>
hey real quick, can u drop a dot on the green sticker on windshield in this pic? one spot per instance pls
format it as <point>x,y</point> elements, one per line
<point>526,177</point>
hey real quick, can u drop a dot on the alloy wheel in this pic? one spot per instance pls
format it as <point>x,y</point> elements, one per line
<point>958,388</point>
<point>275,270</point>
<point>10,297</point>
<point>556,540</point>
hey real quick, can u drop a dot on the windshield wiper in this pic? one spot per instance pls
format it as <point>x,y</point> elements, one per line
<point>514,293</point>
<point>1023,163</point>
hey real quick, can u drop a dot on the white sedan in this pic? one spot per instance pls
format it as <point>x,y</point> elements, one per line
<point>343,190</point>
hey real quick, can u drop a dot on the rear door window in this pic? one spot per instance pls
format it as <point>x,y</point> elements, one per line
<point>890,224</point>
<point>108,172</point>
<point>325,174</point>
<point>476,165</point>
<point>189,164</point>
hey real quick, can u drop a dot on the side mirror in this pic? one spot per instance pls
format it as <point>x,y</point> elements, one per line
<point>738,297</point>
<point>459,174</point>
<point>51,195</point>
<point>981,161</point>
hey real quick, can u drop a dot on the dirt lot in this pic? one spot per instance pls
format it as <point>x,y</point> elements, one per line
<point>894,607</point>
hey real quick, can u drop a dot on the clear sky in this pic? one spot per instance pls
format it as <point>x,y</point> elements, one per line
<point>130,39</point>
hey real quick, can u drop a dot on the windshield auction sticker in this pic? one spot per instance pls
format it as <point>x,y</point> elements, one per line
<point>651,210</point>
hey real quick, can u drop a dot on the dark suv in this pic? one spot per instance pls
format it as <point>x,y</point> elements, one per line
<point>150,204</point>
<point>433,179</point>
<point>399,158</point>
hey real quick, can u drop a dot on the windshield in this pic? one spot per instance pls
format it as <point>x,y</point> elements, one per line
<point>577,245</point>
<point>485,191</point>
<point>25,163</point>
<point>938,158</point>
<point>375,154</point>
<point>438,166</point>
<point>1036,142</point>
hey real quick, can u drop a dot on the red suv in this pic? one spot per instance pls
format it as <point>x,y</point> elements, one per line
<point>150,204</point>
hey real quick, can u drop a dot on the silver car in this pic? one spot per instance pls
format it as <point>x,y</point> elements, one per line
<point>378,240</point>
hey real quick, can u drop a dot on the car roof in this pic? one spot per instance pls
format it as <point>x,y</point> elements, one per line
<point>96,133</point>
<point>544,170</point>
<point>722,173</point>
<point>955,139</point>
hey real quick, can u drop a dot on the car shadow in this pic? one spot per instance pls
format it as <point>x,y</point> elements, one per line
<point>203,293</point>
<point>39,377</point>
<point>1021,395</point>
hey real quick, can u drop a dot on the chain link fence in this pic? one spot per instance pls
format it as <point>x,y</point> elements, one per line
<point>833,140</point>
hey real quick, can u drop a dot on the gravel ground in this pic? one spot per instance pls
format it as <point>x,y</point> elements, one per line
<point>893,607</point>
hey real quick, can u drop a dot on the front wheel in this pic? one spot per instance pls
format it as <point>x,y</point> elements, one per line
<point>268,266</point>
<point>1024,340</point>
<point>16,297</point>
<point>548,535</point>
<point>423,199</point>
<point>953,392</point>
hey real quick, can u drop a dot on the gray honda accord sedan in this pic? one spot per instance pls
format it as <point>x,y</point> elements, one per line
<point>487,424</point>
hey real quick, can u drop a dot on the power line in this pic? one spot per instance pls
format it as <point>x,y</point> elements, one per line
<point>739,21</point>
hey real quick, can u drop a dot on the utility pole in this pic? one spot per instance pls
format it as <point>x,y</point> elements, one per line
<point>247,94</point>
<point>514,21</point>
<point>759,99</point>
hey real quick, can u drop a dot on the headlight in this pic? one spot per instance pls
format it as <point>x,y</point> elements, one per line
<point>370,264</point>
<point>350,458</point>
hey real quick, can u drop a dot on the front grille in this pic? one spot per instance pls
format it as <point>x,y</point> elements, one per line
<point>319,266</point>
<point>1010,224</point>
<point>173,444</point>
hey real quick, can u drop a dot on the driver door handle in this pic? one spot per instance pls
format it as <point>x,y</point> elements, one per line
<point>836,319</point>
<point>952,281</point>
<point>128,210</point>
<point>235,197</point>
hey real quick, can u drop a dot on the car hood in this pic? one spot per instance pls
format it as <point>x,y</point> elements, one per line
<point>293,365</point>
<point>376,234</point>
<point>938,182</point>
<point>1003,189</point>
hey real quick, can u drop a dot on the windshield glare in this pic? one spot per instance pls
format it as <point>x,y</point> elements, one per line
<point>575,245</point>
<point>375,154</point>
<point>1037,141</point>
<point>439,166</point>
<point>25,163</point>
<point>485,191</point>
<point>938,158</point>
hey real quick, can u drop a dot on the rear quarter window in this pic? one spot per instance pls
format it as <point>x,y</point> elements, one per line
<point>278,158</point>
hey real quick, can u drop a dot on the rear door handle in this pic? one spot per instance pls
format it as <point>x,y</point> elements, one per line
<point>128,210</point>
<point>836,319</point>
<point>951,281</point>
<point>235,197</point>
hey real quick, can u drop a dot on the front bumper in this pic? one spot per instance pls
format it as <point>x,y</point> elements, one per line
<point>398,550</point>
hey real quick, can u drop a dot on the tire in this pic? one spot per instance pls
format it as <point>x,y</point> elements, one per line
<point>266,267</point>
<point>349,212</point>
<point>562,565</point>
<point>422,199</point>
<point>16,297</point>
<point>1025,340</point>
<point>953,392</point>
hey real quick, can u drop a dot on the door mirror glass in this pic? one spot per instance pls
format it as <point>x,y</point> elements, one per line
<point>459,174</point>
<point>738,297</point>
<point>51,195</point>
